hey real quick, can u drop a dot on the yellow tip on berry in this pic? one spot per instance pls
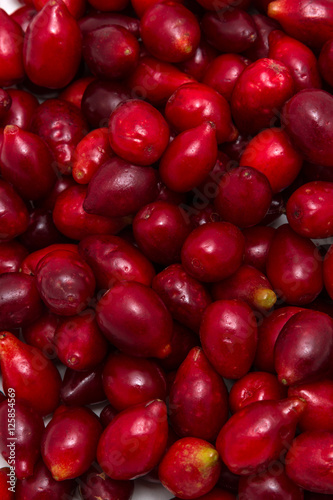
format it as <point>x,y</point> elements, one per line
<point>209,457</point>
<point>273,9</point>
<point>264,298</point>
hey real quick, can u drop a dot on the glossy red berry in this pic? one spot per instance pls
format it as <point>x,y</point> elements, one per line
<point>128,314</point>
<point>170,31</point>
<point>65,282</point>
<point>213,251</point>
<point>11,45</point>
<point>244,197</point>
<point>111,52</point>
<point>70,441</point>
<point>228,335</point>
<point>160,230</point>
<point>128,381</point>
<point>52,46</point>
<point>138,133</point>
<point>190,468</point>
<point>146,425</point>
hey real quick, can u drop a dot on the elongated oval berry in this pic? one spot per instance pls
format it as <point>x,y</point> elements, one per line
<point>112,259</point>
<point>134,442</point>
<point>26,163</point>
<point>213,251</point>
<point>20,424</point>
<point>70,441</point>
<point>79,342</point>
<point>138,132</point>
<point>189,158</point>
<point>119,189</point>
<point>190,468</point>
<point>228,334</point>
<point>259,434</point>
<point>11,43</point>
<point>128,380</point>
<point>293,363</point>
<point>35,379</point>
<point>185,297</point>
<point>135,320</point>
<point>14,216</point>
<point>309,461</point>
<point>294,267</point>
<point>52,46</point>
<point>20,303</point>
<point>170,31</point>
<point>198,395</point>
